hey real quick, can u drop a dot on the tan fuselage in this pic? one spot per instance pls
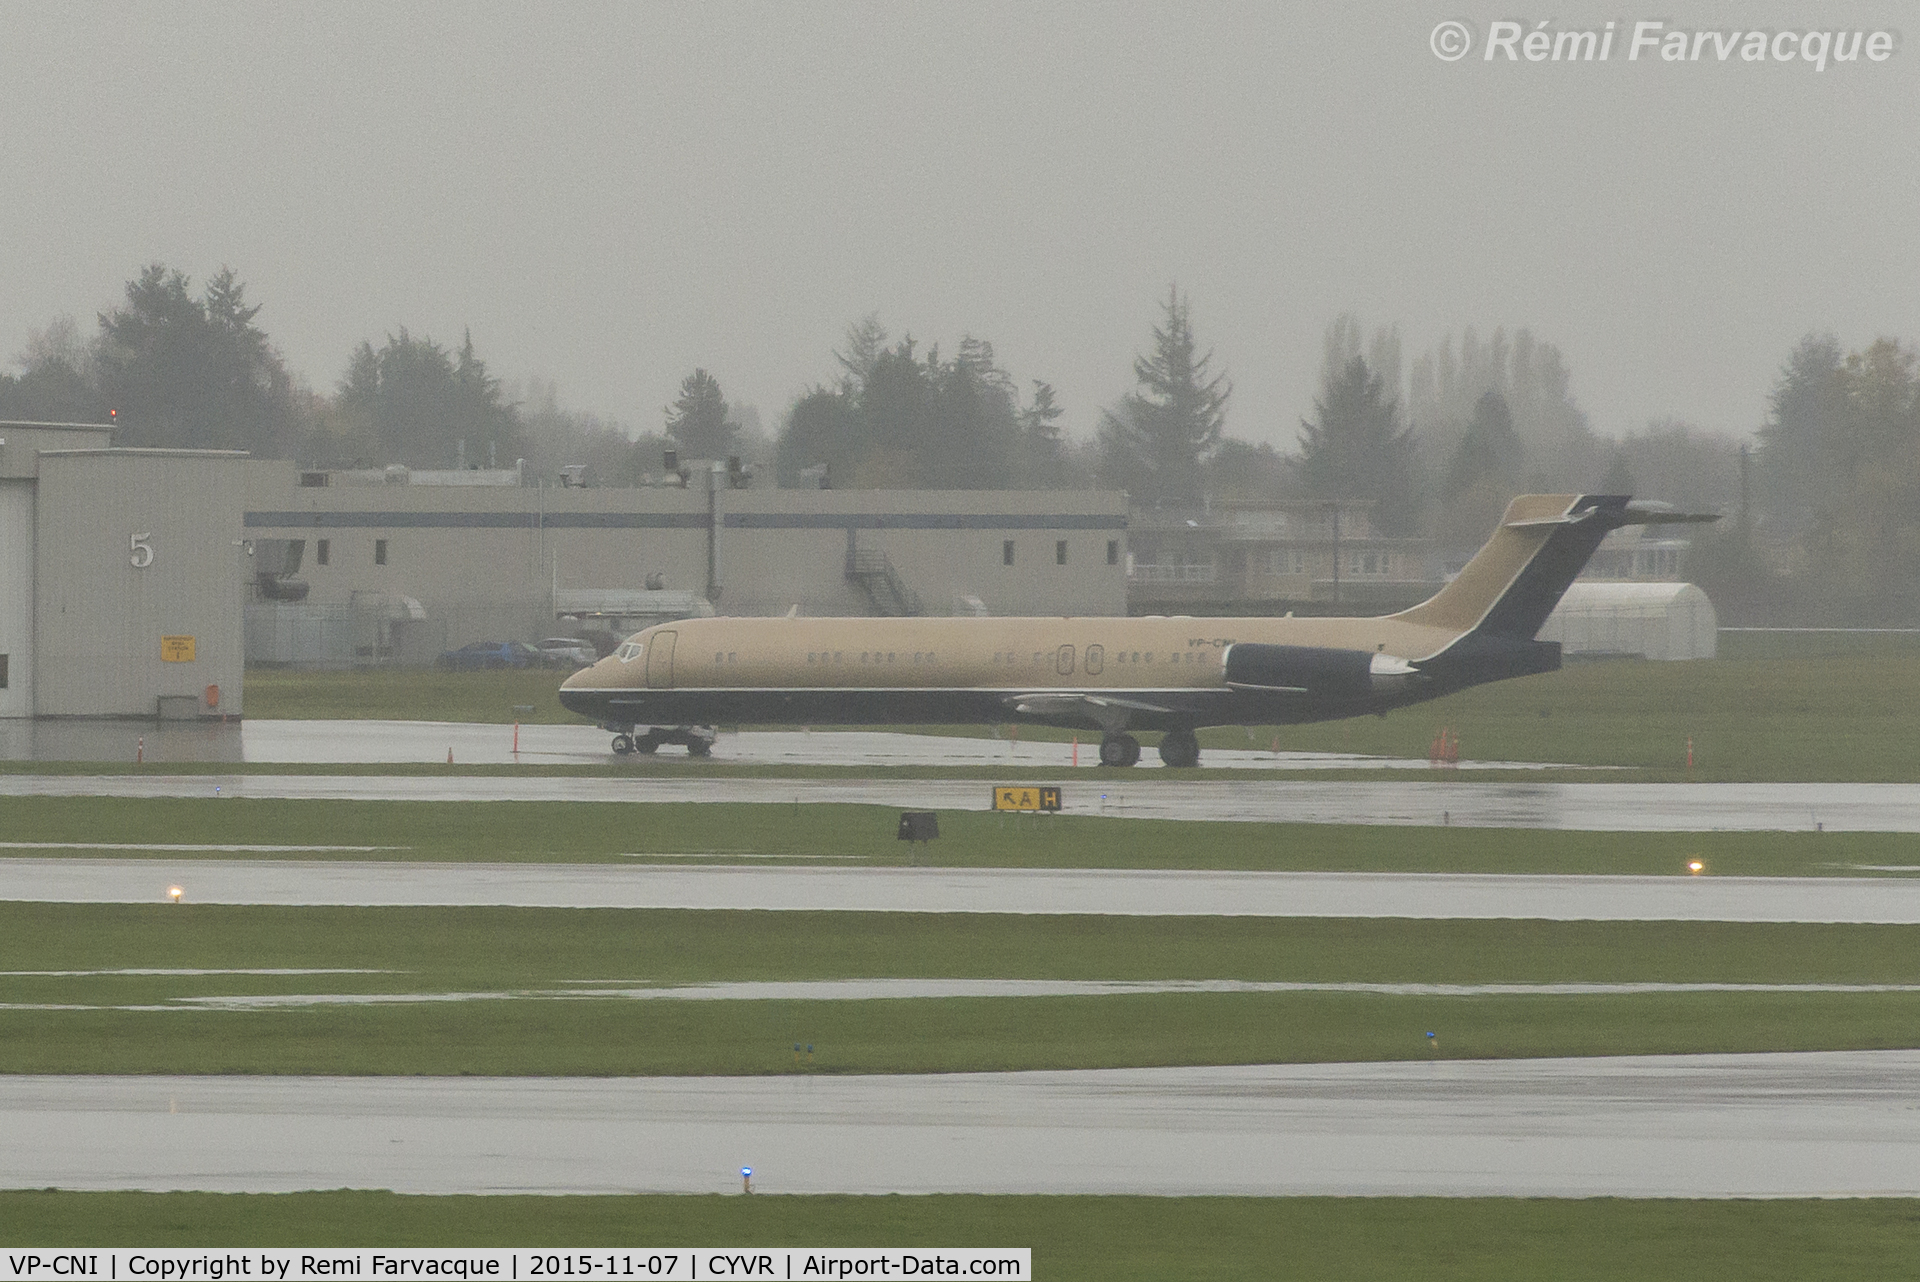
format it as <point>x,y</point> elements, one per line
<point>1092,654</point>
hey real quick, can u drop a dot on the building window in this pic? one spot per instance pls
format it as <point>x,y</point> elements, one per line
<point>323,552</point>
<point>379,551</point>
<point>1113,551</point>
<point>1006,552</point>
<point>1060,552</point>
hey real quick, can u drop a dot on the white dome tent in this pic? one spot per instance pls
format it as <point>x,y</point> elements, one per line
<point>1648,620</point>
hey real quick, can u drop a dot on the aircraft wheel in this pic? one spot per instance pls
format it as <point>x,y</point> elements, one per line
<point>699,750</point>
<point>647,744</point>
<point>622,745</point>
<point>1119,750</point>
<point>1180,749</point>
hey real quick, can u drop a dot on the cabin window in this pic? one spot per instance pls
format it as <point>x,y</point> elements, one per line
<point>733,656</point>
<point>323,552</point>
<point>1063,661</point>
<point>839,656</point>
<point>1096,659</point>
<point>1060,552</point>
<point>1113,551</point>
<point>1006,552</point>
<point>379,551</point>
<point>3,671</point>
<point>889,656</point>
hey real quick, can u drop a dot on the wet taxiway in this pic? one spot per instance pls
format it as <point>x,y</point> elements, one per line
<point>1838,1124</point>
<point>854,990</point>
<point>1123,892</point>
<point>474,743</point>
<point>1606,807</point>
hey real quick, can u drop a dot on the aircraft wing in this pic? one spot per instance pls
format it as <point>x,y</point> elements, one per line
<point>1046,703</point>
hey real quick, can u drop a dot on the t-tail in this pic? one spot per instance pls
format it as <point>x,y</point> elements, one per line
<point>1502,597</point>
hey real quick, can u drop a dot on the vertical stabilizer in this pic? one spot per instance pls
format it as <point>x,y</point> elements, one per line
<point>1512,583</point>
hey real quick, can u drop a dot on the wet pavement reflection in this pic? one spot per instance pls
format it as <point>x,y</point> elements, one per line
<point>1603,807</point>
<point>965,890</point>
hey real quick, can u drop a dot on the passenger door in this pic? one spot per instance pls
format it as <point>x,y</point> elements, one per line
<point>660,661</point>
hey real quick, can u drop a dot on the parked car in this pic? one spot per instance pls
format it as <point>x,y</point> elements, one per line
<point>566,652</point>
<point>489,654</point>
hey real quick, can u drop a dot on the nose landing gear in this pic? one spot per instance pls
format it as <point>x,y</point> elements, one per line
<point>698,740</point>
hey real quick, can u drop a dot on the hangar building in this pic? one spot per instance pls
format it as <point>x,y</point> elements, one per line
<point>396,566</point>
<point>120,577</point>
<point>1647,620</point>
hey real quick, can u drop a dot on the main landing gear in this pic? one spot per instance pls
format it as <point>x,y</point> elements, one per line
<point>1180,749</point>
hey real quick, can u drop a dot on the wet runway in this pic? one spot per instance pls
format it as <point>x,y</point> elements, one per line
<point>1818,1125</point>
<point>1607,807</point>
<point>967,890</point>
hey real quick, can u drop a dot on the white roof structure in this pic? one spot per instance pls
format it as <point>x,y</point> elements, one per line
<point>1648,620</point>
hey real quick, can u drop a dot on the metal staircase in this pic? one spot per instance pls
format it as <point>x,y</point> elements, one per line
<point>873,571</point>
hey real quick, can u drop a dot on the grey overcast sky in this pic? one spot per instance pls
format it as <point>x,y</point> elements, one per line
<point>610,195</point>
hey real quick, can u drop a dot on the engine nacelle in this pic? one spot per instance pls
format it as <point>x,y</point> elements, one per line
<point>1317,672</point>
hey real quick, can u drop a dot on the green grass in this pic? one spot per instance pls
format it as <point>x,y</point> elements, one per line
<point>1833,718</point>
<point>1112,1239</point>
<point>612,832</point>
<point>498,950</point>
<point>408,694</point>
<point>1794,716</point>
<point>455,949</point>
<point>530,1038</point>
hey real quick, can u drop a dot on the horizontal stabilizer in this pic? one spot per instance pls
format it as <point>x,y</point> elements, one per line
<point>1613,519</point>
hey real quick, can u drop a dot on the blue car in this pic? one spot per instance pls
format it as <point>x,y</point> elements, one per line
<point>489,654</point>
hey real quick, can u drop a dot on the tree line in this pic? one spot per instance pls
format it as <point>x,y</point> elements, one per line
<point>1824,509</point>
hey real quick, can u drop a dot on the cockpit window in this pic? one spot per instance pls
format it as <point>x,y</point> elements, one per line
<point>629,651</point>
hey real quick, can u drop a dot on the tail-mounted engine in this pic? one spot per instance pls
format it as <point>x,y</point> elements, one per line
<point>1317,673</point>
